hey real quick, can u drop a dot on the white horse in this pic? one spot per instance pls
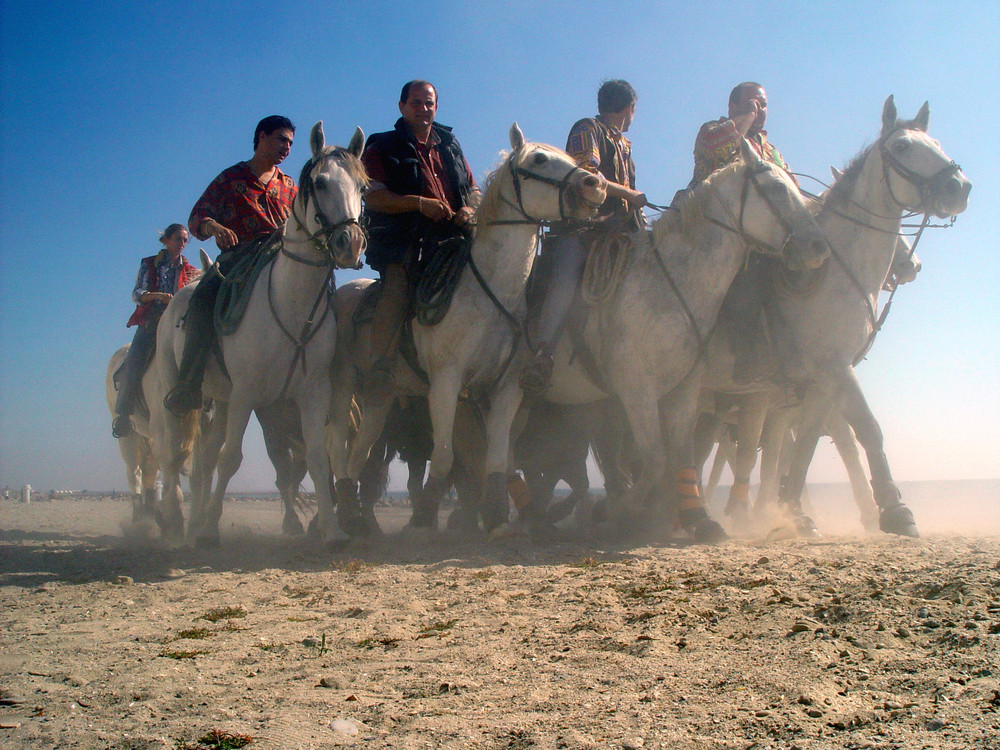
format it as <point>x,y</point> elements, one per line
<point>285,343</point>
<point>763,420</point>
<point>648,340</point>
<point>136,447</point>
<point>478,345</point>
<point>826,331</point>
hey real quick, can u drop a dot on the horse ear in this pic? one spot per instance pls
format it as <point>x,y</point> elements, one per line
<point>357,144</point>
<point>206,262</point>
<point>923,117</point>
<point>837,174</point>
<point>749,155</point>
<point>888,115</point>
<point>316,138</point>
<point>516,137</point>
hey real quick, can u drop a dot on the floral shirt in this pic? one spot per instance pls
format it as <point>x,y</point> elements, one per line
<point>718,144</point>
<point>241,202</point>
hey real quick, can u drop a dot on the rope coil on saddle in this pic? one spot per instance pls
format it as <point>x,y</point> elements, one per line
<point>605,266</point>
<point>238,282</point>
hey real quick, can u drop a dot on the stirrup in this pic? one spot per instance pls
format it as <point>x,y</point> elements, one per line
<point>536,376</point>
<point>182,399</point>
<point>122,426</point>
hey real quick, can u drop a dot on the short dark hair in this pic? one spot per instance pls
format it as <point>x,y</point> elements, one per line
<point>269,124</point>
<point>615,95</point>
<point>737,93</point>
<point>404,95</point>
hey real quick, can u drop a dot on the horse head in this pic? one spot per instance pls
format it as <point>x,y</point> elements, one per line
<point>918,174</point>
<point>774,217</point>
<point>328,205</point>
<point>546,184</point>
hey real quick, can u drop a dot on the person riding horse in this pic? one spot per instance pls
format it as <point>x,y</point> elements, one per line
<point>422,191</point>
<point>249,200</point>
<point>160,276</point>
<point>716,146</point>
<point>599,145</point>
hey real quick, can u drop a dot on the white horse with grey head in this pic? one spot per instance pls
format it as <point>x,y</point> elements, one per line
<point>285,342</point>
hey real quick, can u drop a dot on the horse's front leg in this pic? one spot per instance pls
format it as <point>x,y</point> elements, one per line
<point>314,406</point>
<point>843,438</point>
<point>442,401</point>
<point>640,405</point>
<point>504,403</point>
<point>752,413</point>
<point>894,516</point>
<point>817,405</point>
<point>678,414</point>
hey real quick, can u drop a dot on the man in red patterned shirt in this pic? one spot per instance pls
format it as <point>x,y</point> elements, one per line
<point>247,201</point>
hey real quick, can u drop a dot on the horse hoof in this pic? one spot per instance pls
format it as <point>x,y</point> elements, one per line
<point>292,526</point>
<point>805,528</point>
<point>312,530</point>
<point>898,520</point>
<point>463,521</point>
<point>709,532</point>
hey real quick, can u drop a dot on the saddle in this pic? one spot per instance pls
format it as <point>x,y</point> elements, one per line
<point>239,280</point>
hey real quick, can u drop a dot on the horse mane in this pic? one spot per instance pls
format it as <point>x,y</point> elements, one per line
<point>687,218</point>
<point>351,164</point>
<point>840,192</point>
<point>489,204</point>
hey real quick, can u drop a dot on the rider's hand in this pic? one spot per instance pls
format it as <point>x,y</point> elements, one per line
<point>225,238</point>
<point>434,209</point>
<point>464,215</point>
<point>636,199</point>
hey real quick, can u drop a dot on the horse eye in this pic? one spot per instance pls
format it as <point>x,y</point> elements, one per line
<point>321,181</point>
<point>900,146</point>
<point>540,158</point>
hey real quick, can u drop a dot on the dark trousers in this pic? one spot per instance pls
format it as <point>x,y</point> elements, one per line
<point>130,380</point>
<point>199,325</point>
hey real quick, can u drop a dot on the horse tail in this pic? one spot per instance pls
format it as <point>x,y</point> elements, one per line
<point>190,430</point>
<point>354,420</point>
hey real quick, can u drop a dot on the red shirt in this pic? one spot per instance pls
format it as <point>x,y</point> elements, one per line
<point>241,202</point>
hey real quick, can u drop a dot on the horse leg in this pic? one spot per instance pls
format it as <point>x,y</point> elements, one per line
<point>204,461</point>
<point>752,412</point>
<point>816,408</point>
<point>371,486</point>
<point>894,516</point>
<point>776,443</point>
<point>847,447</point>
<point>347,487</point>
<point>230,459</point>
<point>281,427</point>
<point>678,414</point>
<point>442,402</point>
<point>504,404</point>
<point>314,406</point>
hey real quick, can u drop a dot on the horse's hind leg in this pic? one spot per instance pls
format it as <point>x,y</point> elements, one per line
<point>282,429</point>
<point>230,458</point>
<point>894,516</point>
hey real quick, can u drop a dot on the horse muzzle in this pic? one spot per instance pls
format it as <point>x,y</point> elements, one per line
<point>949,193</point>
<point>587,194</point>
<point>807,248</point>
<point>348,246</point>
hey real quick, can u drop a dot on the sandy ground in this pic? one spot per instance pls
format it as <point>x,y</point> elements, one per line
<point>840,642</point>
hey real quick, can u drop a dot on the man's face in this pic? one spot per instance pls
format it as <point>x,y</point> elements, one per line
<point>629,117</point>
<point>755,94</point>
<point>275,145</point>
<point>420,107</point>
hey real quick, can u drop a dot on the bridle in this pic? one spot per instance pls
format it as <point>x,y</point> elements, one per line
<point>925,186</point>
<point>322,239</point>
<point>519,174</point>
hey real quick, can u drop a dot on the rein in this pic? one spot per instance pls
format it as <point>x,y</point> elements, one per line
<point>322,241</point>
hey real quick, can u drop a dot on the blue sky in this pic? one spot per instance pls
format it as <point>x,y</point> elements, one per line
<point>117,115</point>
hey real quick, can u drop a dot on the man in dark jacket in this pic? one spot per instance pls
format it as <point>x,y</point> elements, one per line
<point>422,191</point>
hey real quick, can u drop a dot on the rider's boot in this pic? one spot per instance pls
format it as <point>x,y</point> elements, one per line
<point>536,376</point>
<point>199,329</point>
